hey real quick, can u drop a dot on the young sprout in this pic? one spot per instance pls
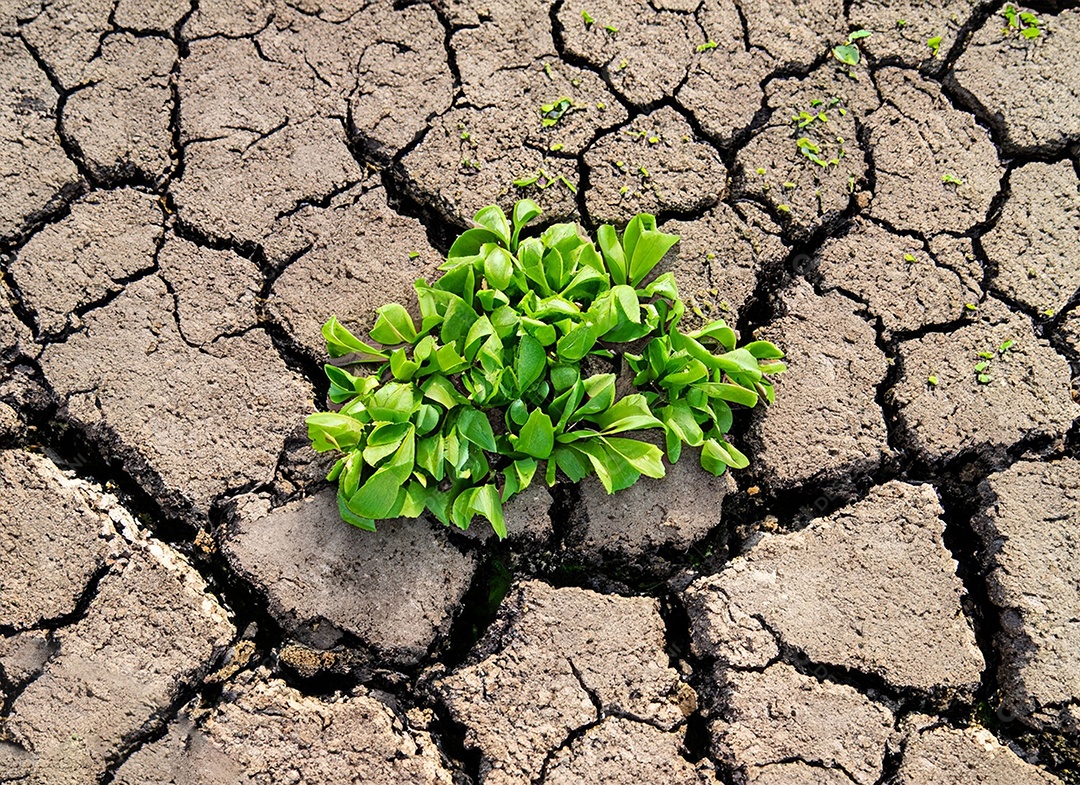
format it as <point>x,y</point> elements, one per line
<point>934,44</point>
<point>760,170</point>
<point>1024,22</point>
<point>623,64</point>
<point>1048,312</point>
<point>932,380</point>
<point>587,17</point>
<point>601,105</point>
<point>654,139</point>
<point>556,147</point>
<point>909,257</point>
<point>901,23</point>
<point>414,254</point>
<point>951,179</point>
<point>555,111</point>
<point>848,53</point>
<point>789,185</point>
<point>644,172</point>
<point>705,47</point>
<point>1005,346</point>
<point>971,306</point>
<point>783,208</point>
<point>611,29</point>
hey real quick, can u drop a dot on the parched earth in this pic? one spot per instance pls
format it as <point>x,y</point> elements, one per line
<point>890,594</point>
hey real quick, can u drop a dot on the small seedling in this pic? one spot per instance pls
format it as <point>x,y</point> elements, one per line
<point>784,208</point>
<point>654,139</point>
<point>555,111</point>
<point>611,29</point>
<point>414,254</point>
<point>622,65</point>
<point>1005,346</point>
<point>971,306</point>
<point>463,411</point>
<point>951,179</point>
<point>901,23</point>
<point>932,380</point>
<point>543,180</point>
<point>1023,22</point>
<point>934,44</point>
<point>705,47</point>
<point>848,52</point>
<point>909,257</point>
<point>556,147</point>
<point>587,18</point>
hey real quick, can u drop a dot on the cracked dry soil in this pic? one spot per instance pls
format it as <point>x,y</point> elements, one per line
<point>890,594</point>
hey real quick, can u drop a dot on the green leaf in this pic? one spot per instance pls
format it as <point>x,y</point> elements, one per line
<point>530,362</point>
<point>384,440</point>
<point>352,518</point>
<point>601,391</point>
<point>486,502</point>
<point>613,252</point>
<point>474,426</point>
<point>537,437</point>
<point>629,413</point>
<point>763,350</point>
<point>333,431</point>
<point>858,34</point>
<point>394,402</point>
<point>468,243</point>
<point>379,496</point>
<point>642,456</point>
<point>498,267</point>
<point>525,211</point>
<point>626,301</point>
<point>401,367</point>
<point>679,420</point>
<point>729,392</point>
<point>576,343</point>
<point>664,286</point>
<point>848,54</point>
<point>614,474</point>
<point>394,325</point>
<point>493,219</point>
<point>518,477</point>
<point>429,456</point>
<point>570,462</point>
<point>340,342</point>
<point>650,248</point>
<point>716,456</point>
<point>440,390</point>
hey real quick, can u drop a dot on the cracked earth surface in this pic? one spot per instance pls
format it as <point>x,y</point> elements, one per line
<point>889,595</point>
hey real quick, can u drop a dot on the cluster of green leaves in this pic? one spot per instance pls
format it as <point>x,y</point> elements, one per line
<point>461,412</point>
<point>848,52</point>
<point>815,122</point>
<point>1024,22</point>
<point>982,368</point>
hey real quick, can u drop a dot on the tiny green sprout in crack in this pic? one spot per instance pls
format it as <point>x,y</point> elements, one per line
<point>536,357</point>
<point>934,44</point>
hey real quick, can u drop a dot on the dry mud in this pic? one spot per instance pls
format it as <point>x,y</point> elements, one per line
<point>889,594</point>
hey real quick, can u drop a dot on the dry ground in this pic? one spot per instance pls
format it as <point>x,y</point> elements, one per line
<point>890,594</point>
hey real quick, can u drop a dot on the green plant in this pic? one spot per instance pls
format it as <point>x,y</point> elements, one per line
<point>934,44</point>
<point>951,179</point>
<point>705,47</point>
<point>1023,22</point>
<point>552,113</point>
<point>848,52</point>
<point>513,372</point>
